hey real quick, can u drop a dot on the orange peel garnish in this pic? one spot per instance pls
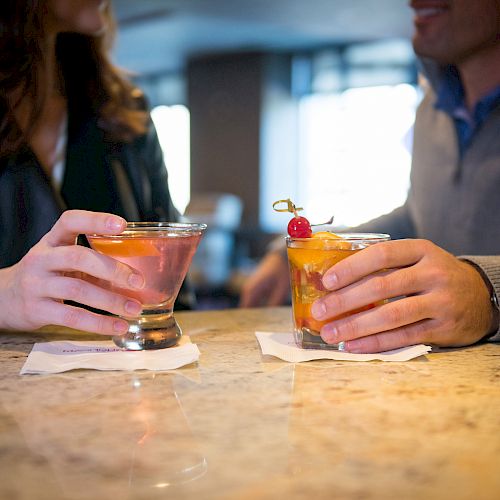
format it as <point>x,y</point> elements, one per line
<point>326,235</point>
<point>129,247</point>
<point>322,247</point>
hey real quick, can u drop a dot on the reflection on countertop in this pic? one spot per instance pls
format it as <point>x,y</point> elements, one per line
<point>241,425</point>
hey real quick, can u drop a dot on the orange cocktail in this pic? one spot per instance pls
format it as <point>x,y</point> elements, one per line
<point>309,259</point>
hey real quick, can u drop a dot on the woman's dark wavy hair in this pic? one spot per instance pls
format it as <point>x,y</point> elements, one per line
<point>87,72</point>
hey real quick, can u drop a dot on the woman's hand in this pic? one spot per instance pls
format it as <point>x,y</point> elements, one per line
<point>439,299</point>
<point>33,290</point>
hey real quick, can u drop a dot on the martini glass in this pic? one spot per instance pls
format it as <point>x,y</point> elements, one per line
<point>162,252</point>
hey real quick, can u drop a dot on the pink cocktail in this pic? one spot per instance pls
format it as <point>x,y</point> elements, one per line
<point>162,252</point>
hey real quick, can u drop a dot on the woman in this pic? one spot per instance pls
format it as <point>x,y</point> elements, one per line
<point>78,154</point>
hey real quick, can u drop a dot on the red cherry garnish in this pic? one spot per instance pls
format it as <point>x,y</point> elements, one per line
<point>299,227</point>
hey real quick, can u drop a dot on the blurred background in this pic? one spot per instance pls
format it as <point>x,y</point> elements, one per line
<point>260,100</point>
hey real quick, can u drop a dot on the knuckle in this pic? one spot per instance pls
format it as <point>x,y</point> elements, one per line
<point>425,245</point>
<point>117,304</point>
<point>74,256</point>
<point>384,253</point>
<point>392,314</point>
<point>403,281</point>
<point>445,308</point>
<point>375,343</point>
<point>410,309</point>
<point>440,277</point>
<point>72,318</point>
<point>30,259</point>
<point>350,328</point>
<point>415,333</point>
<point>422,310</point>
<point>340,301</point>
<point>76,290</point>
<point>432,275</point>
<point>380,286</point>
<point>119,272</point>
<point>402,337</point>
<point>450,323</point>
<point>420,330</point>
<point>345,271</point>
<point>64,220</point>
<point>102,324</point>
<point>336,301</point>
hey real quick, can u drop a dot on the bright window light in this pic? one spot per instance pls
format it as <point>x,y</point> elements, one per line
<point>355,152</point>
<point>172,125</point>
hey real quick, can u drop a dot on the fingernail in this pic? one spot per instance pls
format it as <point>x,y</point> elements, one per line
<point>114,224</point>
<point>120,326</point>
<point>330,280</point>
<point>318,310</point>
<point>136,280</point>
<point>354,347</point>
<point>341,346</point>
<point>133,308</point>
<point>329,334</point>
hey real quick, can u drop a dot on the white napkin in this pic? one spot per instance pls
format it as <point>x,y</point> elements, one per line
<point>282,345</point>
<point>62,356</point>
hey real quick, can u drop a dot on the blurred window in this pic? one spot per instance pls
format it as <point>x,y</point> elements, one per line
<point>356,108</point>
<point>172,125</point>
<point>355,152</point>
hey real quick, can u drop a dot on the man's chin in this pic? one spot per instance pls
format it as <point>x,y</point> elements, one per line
<point>429,50</point>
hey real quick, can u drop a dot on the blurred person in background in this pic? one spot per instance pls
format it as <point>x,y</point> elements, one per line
<point>78,154</point>
<point>452,207</point>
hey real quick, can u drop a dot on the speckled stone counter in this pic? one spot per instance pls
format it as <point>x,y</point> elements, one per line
<point>239,425</point>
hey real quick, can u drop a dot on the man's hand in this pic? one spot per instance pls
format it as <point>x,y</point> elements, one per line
<point>33,290</point>
<point>438,299</point>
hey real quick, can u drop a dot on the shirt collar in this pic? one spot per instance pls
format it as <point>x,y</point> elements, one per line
<point>451,98</point>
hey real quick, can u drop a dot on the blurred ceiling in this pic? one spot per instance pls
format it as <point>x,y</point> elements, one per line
<point>158,36</point>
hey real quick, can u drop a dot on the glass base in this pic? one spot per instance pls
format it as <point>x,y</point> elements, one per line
<point>152,330</point>
<point>309,339</point>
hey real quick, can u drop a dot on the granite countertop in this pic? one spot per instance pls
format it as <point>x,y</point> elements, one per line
<point>240,425</point>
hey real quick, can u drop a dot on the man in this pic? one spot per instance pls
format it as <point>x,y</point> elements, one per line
<point>453,205</point>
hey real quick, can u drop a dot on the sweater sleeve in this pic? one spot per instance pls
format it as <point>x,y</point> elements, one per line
<point>490,266</point>
<point>397,223</point>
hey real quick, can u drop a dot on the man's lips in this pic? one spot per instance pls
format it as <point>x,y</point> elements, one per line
<point>428,12</point>
<point>425,10</point>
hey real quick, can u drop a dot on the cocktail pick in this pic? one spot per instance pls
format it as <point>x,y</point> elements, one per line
<point>298,227</point>
<point>329,222</point>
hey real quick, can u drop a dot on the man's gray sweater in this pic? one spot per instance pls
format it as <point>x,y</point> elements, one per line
<point>453,201</point>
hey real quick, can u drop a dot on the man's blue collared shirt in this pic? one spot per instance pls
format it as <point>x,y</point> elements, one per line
<point>451,99</point>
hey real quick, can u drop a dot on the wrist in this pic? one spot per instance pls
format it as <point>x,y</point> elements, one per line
<point>495,308</point>
<point>493,301</point>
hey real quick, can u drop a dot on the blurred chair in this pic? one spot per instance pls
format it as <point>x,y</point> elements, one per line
<point>212,264</point>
